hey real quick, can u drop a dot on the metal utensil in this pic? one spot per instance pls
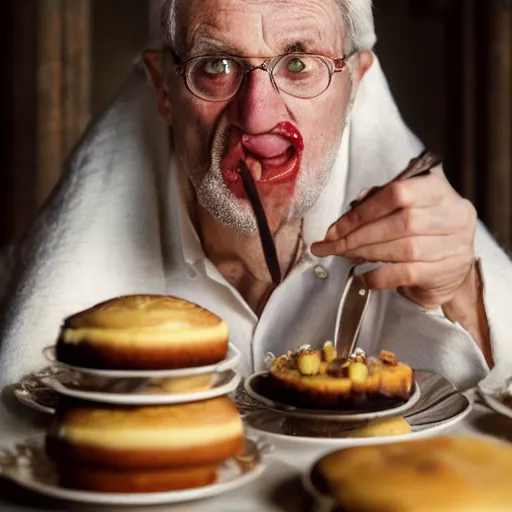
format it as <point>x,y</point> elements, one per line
<point>351,312</point>
<point>356,297</point>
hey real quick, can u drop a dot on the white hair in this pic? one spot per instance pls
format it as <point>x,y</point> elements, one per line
<point>357,16</point>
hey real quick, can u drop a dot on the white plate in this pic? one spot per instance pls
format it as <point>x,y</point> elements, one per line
<point>494,402</point>
<point>255,387</point>
<point>268,427</point>
<point>226,383</point>
<point>232,359</point>
<point>28,466</point>
<point>439,408</point>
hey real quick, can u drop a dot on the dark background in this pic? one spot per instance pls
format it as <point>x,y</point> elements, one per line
<point>448,63</point>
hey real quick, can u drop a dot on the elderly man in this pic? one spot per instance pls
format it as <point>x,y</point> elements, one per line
<point>292,89</point>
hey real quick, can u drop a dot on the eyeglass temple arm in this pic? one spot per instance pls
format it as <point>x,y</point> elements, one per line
<point>342,62</point>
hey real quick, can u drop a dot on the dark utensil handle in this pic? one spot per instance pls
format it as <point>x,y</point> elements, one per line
<point>267,240</point>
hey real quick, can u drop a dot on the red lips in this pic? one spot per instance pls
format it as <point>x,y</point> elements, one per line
<point>272,157</point>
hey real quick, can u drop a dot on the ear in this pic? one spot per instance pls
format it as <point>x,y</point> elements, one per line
<point>155,70</point>
<point>364,60</point>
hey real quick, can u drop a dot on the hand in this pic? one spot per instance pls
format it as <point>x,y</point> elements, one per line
<point>421,228</point>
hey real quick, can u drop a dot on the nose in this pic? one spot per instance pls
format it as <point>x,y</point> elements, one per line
<point>258,106</point>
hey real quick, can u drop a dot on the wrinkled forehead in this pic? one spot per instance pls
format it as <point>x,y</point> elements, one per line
<point>259,27</point>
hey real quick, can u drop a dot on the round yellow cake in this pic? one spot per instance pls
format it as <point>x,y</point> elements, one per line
<point>143,449</point>
<point>448,474</point>
<point>143,332</point>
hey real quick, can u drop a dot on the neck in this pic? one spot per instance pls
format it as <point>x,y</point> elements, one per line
<point>240,259</point>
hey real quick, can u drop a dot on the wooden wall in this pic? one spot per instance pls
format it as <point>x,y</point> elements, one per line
<point>17,106</point>
<point>63,60</point>
<point>449,63</point>
<point>63,64</point>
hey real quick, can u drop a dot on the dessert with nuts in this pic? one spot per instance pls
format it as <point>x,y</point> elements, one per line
<point>318,379</point>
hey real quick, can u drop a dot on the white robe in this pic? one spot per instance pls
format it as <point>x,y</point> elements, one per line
<point>105,232</point>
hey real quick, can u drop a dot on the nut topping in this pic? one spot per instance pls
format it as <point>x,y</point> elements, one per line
<point>388,358</point>
<point>359,356</point>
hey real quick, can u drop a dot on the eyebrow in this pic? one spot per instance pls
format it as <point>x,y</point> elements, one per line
<point>295,47</point>
<point>205,44</point>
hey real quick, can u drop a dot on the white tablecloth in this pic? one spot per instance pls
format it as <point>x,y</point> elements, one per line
<point>277,490</point>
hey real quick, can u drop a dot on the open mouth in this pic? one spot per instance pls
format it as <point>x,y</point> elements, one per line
<point>272,158</point>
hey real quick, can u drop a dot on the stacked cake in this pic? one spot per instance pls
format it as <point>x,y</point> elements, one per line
<point>136,447</point>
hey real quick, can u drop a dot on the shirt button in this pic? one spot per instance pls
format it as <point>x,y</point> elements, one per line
<point>321,273</point>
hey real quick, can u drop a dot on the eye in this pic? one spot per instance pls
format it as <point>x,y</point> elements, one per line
<point>217,67</point>
<point>295,65</point>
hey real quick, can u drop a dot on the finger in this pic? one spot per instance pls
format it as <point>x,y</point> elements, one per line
<point>407,222</point>
<point>416,248</point>
<point>421,274</point>
<point>418,192</point>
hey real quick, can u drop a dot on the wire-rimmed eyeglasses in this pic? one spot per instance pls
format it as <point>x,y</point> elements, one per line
<point>219,77</point>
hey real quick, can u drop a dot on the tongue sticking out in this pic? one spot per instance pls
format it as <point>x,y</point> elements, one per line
<point>266,146</point>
